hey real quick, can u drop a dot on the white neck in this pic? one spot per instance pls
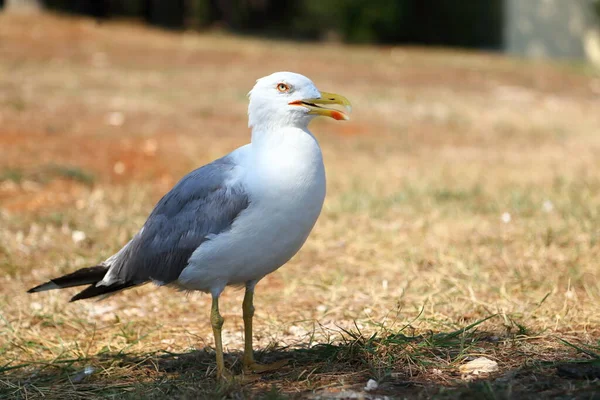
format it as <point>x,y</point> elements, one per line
<point>286,159</point>
<point>270,137</point>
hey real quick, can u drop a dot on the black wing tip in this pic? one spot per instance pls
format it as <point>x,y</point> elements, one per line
<point>83,276</point>
<point>74,298</point>
<point>95,291</point>
<point>43,287</point>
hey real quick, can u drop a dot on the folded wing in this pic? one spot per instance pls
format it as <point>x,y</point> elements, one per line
<point>203,204</point>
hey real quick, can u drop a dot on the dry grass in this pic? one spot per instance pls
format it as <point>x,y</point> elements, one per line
<point>414,248</point>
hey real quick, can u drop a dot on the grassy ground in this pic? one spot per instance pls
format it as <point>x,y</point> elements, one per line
<point>462,218</point>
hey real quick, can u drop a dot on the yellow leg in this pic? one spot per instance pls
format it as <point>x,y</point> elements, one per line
<point>217,323</point>
<point>250,365</point>
<point>248,313</point>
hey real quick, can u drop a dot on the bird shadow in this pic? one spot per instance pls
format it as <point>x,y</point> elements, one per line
<point>401,364</point>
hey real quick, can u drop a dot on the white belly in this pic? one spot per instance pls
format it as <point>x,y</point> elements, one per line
<point>263,237</point>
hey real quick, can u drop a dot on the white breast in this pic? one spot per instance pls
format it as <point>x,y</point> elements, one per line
<point>286,187</point>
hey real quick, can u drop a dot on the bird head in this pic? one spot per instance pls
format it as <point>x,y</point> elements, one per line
<point>288,99</point>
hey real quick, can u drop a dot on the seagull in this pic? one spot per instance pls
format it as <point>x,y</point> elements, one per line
<point>235,220</point>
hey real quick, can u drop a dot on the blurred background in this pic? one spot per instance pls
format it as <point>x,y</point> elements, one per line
<point>465,186</point>
<point>551,28</point>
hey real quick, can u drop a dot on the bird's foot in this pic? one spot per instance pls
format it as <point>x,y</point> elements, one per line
<point>256,368</point>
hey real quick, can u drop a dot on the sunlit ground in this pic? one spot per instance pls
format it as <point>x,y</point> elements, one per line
<point>465,187</point>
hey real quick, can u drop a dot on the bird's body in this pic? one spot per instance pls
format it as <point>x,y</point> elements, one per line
<point>235,220</point>
<point>286,190</point>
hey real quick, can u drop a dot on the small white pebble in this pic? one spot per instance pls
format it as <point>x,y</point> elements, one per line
<point>80,376</point>
<point>321,308</point>
<point>384,284</point>
<point>506,218</point>
<point>115,118</point>
<point>478,366</point>
<point>119,168</point>
<point>296,330</point>
<point>150,147</point>
<point>371,385</point>
<point>78,236</point>
<point>547,206</point>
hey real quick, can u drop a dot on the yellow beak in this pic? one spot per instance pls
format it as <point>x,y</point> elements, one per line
<point>314,107</point>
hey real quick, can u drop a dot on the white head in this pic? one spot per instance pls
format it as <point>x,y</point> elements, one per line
<point>285,99</point>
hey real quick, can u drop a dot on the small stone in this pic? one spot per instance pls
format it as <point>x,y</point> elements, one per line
<point>119,168</point>
<point>115,118</point>
<point>371,385</point>
<point>547,206</point>
<point>150,147</point>
<point>78,236</point>
<point>478,366</point>
<point>80,376</point>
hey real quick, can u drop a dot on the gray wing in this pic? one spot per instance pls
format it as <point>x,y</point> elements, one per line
<point>201,205</point>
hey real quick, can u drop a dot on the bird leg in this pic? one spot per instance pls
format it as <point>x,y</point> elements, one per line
<point>248,314</point>
<point>250,365</point>
<point>216,320</point>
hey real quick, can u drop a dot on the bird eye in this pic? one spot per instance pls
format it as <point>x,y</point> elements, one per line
<point>282,87</point>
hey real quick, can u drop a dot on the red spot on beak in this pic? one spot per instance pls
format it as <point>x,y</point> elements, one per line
<point>338,115</point>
